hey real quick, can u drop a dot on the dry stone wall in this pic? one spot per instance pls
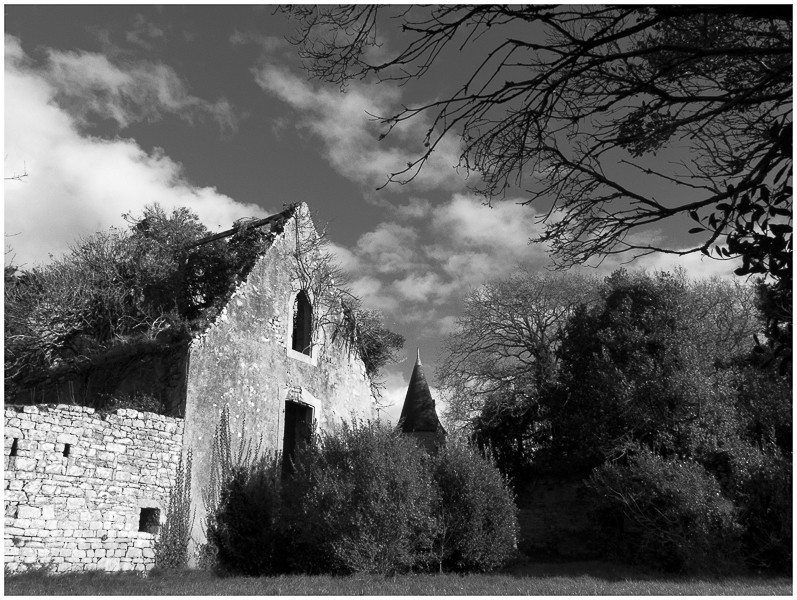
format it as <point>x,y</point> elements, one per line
<point>85,491</point>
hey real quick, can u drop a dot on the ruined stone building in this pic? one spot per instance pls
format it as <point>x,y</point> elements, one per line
<point>89,491</point>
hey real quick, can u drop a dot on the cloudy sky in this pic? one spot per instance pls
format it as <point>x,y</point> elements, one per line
<point>108,109</point>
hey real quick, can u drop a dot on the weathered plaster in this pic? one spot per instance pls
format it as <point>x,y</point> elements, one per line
<point>244,361</point>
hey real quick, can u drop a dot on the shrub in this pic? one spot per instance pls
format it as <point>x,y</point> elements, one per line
<point>140,401</point>
<point>243,505</point>
<point>476,517</point>
<point>673,513</point>
<point>760,484</point>
<point>244,531</point>
<point>363,499</point>
<point>360,502</point>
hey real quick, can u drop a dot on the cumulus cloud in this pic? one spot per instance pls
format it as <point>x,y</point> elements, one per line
<point>350,136</point>
<point>417,266</point>
<point>90,85</point>
<point>427,254</point>
<point>77,183</point>
<point>390,248</point>
<point>416,208</point>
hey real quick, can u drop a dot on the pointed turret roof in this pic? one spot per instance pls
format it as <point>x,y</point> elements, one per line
<point>419,414</point>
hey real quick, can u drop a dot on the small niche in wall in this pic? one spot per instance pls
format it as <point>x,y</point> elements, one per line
<point>14,447</point>
<point>149,520</point>
<point>67,449</point>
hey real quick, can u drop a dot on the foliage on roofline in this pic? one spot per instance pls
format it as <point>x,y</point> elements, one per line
<point>123,288</point>
<point>155,285</point>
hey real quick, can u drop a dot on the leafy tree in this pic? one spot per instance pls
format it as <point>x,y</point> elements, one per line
<point>641,368</point>
<point>511,428</point>
<point>188,281</point>
<point>244,529</point>
<point>113,287</point>
<point>506,368</point>
<point>724,316</point>
<point>574,105</point>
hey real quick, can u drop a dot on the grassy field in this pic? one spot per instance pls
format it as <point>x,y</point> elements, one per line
<point>530,579</point>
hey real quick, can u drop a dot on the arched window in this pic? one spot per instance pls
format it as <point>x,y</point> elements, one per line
<point>302,324</point>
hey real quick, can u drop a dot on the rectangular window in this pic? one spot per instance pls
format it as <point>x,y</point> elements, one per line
<point>298,431</point>
<point>149,520</point>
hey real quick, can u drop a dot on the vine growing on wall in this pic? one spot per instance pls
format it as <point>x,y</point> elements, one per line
<point>226,464</point>
<point>336,309</point>
<point>171,547</point>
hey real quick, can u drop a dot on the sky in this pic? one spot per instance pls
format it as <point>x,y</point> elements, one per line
<point>111,108</point>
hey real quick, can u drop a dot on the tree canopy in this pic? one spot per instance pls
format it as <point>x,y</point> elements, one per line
<point>611,120</point>
<point>650,387</point>
<point>561,89</point>
<point>578,363</point>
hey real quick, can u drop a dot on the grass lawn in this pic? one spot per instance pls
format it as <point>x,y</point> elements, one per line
<point>527,579</point>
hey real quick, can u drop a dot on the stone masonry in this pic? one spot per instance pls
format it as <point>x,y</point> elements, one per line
<point>85,491</point>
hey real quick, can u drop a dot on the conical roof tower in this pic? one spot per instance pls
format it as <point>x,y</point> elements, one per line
<point>419,416</point>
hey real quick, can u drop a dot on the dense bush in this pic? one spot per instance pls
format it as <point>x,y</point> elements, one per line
<point>360,501</point>
<point>476,517</point>
<point>673,512</point>
<point>139,401</point>
<point>244,530</point>
<point>759,482</point>
<point>363,499</point>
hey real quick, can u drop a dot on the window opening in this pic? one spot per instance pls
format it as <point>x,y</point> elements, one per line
<point>298,431</point>
<point>302,324</point>
<point>67,448</point>
<point>149,520</point>
<point>14,447</point>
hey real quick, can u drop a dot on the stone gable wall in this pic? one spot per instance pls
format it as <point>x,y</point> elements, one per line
<point>75,489</point>
<point>244,362</point>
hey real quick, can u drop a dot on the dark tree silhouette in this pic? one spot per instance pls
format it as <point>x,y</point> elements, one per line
<point>572,104</point>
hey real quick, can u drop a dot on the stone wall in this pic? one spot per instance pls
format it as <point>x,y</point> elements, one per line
<point>79,486</point>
